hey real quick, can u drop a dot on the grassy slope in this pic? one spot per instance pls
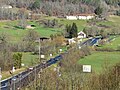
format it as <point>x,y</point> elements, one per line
<point>113,44</point>
<point>98,60</point>
<point>29,60</point>
<point>80,23</point>
<point>16,34</point>
<point>112,21</point>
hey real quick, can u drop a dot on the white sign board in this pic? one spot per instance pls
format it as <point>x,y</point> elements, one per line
<point>79,47</point>
<point>51,55</point>
<point>60,50</point>
<point>86,68</point>
<point>13,69</point>
<point>42,56</point>
<point>0,76</point>
<point>22,64</point>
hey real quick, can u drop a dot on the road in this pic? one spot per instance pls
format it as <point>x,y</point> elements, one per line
<point>22,79</point>
<point>91,41</point>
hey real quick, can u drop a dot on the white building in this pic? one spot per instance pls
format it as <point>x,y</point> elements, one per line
<point>80,17</point>
<point>71,41</point>
<point>71,17</point>
<point>81,34</point>
<point>6,7</point>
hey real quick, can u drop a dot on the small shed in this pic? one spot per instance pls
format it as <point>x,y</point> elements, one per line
<point>30,26</point>
<point>71,41</point>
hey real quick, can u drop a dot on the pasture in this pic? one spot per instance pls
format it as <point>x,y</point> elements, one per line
<point>16,34</point>
<point>98,60</point>
<point>113,44</point>
<point>112,21</point>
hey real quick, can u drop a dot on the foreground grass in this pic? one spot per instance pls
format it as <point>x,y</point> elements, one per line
<point>100,59</point>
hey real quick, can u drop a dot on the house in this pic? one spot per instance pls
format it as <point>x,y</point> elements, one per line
<point>6,7</point>
<point>71,41</point>
<point>81,34</point>
<point>80,17</point>
<point>71,17</point>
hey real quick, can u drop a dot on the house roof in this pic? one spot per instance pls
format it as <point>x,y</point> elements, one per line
<point>83,14</point>
<point>81,32</point>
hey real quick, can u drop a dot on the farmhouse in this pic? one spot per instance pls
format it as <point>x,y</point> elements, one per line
<point>81,34</point>
<point>80,17</point>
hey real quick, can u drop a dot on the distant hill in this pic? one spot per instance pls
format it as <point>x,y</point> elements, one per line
<point>58,7</point>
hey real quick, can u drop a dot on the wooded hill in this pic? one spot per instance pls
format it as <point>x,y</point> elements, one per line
<point>56,7</point>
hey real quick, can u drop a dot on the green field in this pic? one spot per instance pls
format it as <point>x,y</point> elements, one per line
<point>100,59</point>
<point>80,23</point>
<point>112,21</point>
<point>29,60</point>
<point>16,34</point>
<point>113,44</point>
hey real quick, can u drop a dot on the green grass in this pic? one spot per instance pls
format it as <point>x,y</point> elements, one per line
<point>112,21</point>
<point>99,59</point>
<point>29,60</point>
<point>113,44</point>
<point>16,34</point>
<point>80,23</point>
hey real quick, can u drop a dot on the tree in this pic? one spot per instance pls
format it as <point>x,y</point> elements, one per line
<point>29,40</point>
<point>118,12</point>
<point>17,60</point>
<point>5,53</point>
<point>67,30</point>
<point>71,31</point>
<point>22,17</point>
<point>74,30</point>
<point>36,5</point>
<point>103,33</point>
<point>98,11</point>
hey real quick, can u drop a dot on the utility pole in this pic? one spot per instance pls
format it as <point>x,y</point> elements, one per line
<point>0,78</point>
<point>14,79</point>
<point>39,50</point>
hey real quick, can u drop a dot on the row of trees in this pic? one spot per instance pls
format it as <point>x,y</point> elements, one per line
<point>7,58</point>
<point>97,31</point>
<point>56,7</point>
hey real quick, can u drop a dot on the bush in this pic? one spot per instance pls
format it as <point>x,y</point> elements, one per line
<point>118,12</point>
